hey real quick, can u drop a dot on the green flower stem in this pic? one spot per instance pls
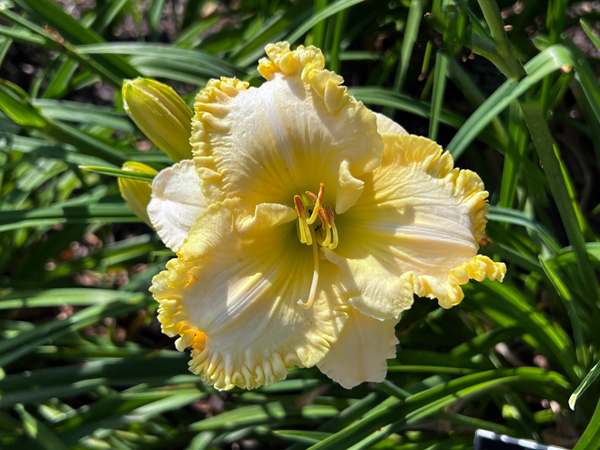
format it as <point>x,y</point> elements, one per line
<point>512,67</point>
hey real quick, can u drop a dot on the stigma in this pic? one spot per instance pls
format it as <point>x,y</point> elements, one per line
<point>311,232</point>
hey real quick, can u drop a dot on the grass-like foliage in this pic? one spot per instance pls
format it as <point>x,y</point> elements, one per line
<point>509,89</point>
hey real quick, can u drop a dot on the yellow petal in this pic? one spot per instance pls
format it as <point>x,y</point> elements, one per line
<point>299,129</point>
<point>361,351</point>
<point>136,192</point>
<point>415,229</point>
<point>161,114</point>
<point>232,294</point>
<point>177,201</point>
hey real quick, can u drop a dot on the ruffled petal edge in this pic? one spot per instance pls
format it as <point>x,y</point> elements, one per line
<point>214,366</point>
<point>210,112</point>
<point>467,186</point>
<point>450,293</point>
<point>309,63</point>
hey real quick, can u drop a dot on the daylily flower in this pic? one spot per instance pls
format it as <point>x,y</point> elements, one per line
<point>303,228</point>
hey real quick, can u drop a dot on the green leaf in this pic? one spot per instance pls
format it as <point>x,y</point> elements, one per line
<point>404,102</point>
<point>318,30</point>
<point>16,104</point>
<point>507,306</point>
<point>275,29</point>
<point>64,24</point>
<point>83,142</point>
<point>511,66</point>
<point>396,413</point>
<point>108,14</point>
<point>550,60</point>
<point>544,144</point>
<point>84,113</point>
<point>204,63</point>
<point>439,87</point>
<point>38,432</point>
<point>328,11</point>
<point>269,413</point>
<point>591,436</point>
<point>58,84</point>
<point>588,30</point>
<point>57,297</point>
<point>27,341</point>
<point>68,212</point>
<point>155,12</point>
<point>586,383</point>
<point>516,217</point>
<point>120,173</point>
<point>305,437</point>
<point>415,13</point>
<point>575,311</point>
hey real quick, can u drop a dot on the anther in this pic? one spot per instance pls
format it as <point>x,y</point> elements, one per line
<point>329,214</point>
<point>299,206</point>
<point>323,218</point>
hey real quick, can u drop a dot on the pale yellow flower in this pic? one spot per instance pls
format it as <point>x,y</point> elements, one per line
<point>303,228</point>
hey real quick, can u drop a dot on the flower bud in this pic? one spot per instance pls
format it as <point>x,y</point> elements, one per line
<point>137,193</point>
<point>161,114</point>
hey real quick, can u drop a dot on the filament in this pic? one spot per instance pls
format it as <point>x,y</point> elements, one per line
<point>315,278</point>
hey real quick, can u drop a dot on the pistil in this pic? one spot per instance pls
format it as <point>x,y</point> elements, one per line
<point>315,278</point>
<point>307,233</point>
<point>318,201</point>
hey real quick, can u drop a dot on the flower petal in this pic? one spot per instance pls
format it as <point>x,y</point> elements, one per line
<point>387,125</point>
<point>177,201</point>
<point>299,129</point>
<point>361,351</point>
<point>232,294</point>
<point>415,229</point>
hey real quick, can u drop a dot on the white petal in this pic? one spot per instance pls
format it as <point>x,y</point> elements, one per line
<point>414,230</point>
<point>232,294</point>
<point>177,201</point>
<point>299,129</point>
<point>361,351</point>
<point>387,125</point>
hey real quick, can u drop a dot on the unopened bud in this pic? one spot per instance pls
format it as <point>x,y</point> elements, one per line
<point>137,193</point>
<point>161,114</point>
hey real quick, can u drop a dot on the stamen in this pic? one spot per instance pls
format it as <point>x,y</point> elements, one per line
<point>315,279</point>
<point>323,218</point>
<point>305,235</point>
<point>318,203</point>
<point>326,228</point>
<point>331,222</point>
<point>321,193</point>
